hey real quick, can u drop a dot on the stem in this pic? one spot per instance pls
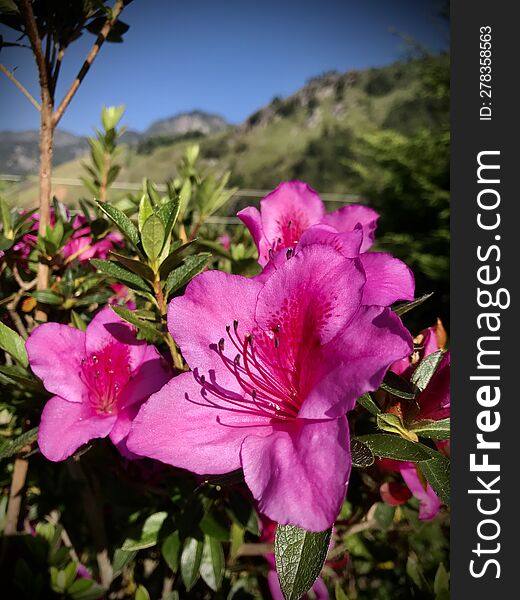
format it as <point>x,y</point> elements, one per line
<point>21,466</point>
<point>103,34</point>
<point>103,188</point>
<point>20,87</point>
<point>163,309</point>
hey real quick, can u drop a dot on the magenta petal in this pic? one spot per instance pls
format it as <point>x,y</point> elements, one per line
<point>252,219</point>
<point>108,328</point>
<point>348,243</point>
<point>151,376</point>
<point>311,297</point>
<point>361,354</point>
<point>434,401</point>
<point>65,426</point>
<point>429,502</point>
<point>177,426</point>
<point>121,429</point>
<point>388,279</point>
<point>55,352</point>
<point>299,473</point>
<point>320,589</point>
<point>347,217</point>
<point>274,585</point>
<point>197,320</point>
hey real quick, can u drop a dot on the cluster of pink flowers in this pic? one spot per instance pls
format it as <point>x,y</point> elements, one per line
<point>276,361</point>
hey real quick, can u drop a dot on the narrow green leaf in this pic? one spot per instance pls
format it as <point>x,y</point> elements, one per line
<point>47,297</point>
<point>145,211</point>
<point>5,214</point>
<point>149,533</point>
<point>436,470</point>
<point>425,369</point>
<point>384,515</point>
<point>437,430</point>
<point>339,593</point>
<point>193,265</point>
<point>415,572</point>
<point>386,445</point>
<point>170,550</point>
<point>141,593</point>
<point>13,344</point>
<point>398,386</point>
<point>362,456</point>
<point>121,559</point>
<point>136,266</point>
<point>11,448</point>
<point>214,525</point>
<point>404,308</point>
<point>169,213</point>
<point>191,558</point>
<point>212,563</point>
<point>441,584</point>
<point>152,237</point>
<point>122,221</point>
<point>128,315</point>
<point>174,258</point>
<point>77,321</point>
<point>366,402</point>
<point>300,556</point>
<point>394,424</point>
<point>112,269</point>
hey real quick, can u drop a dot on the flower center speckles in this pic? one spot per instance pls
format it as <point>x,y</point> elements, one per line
<point>289,232</point>
<point>105,374</point>
<point>261,372</point>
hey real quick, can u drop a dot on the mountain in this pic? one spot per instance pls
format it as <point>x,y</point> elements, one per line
<point>19,149</point>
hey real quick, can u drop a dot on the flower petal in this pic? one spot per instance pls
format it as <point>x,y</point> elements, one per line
<point>151,376</point>
<point>299,473</point>
<point>434,401</point>
<point>55,352</point>
<point>388,279</point>
<point>347,217</point>
<point>252,219</point>
<point>197,320</point>
<point>121,429</point>
<point>361,354</point>
<point>429,502</point>
<point>348,242</point>
<point>179,427</point>
<point>65,426</point>
<point>108,328</point>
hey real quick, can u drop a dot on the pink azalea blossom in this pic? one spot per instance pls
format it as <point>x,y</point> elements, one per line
<point>81,244</point>
<point>293,216</point>
<point>100,378</point>
<point>277,362</point>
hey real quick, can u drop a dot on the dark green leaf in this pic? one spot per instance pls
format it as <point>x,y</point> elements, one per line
<point>437,430</point>
<point>384,515</point>
<point>191,558</point>
<point>386,445</point>
<point>124,224</point>
<point>426,368</point>
<point>193,265</point>
<point>135,266</point>
<point>362,456</point>
<point>300,556</point>
<point>86,589</point>
<point>436,470</point>
<point>47,297</point>
<point>144,326</point>
<point>174,258</point>
<point>152,237</point>
<point>141,593</point>
<point>121,559</point>
<point>366,402</point>
<point>8,449</point>
<point>116,271</point>
<point>212,563</point>
<point>404,308</point>
<point>214,525</point>
<point>170,550</point>
<point>397,386</point>
<point>13,344</point>
<point>394,424</point>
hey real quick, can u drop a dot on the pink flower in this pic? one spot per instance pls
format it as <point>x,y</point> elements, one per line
<point>121,297</point>
<point>277,362</point>
<point>429,502</point>
<point>225,241</point>
<point>81,244</point>
<point>100,378</point>
<point>293,216</point>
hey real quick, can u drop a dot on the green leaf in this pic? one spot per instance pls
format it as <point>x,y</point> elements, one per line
<point>414,571</point>
<point>5,214</point>
<point>300,556</point>
<point>174,258</point>
<point>437,430</point>
<point>136,266</point>
<point>47,297</point>
<point>121,559</point>
<point>398,386</point>
<point>86,589</point>
<point>362,456</point>
<point>212,563</point>
<point>144,326</point>
<point>145,210</point>
<point>122,221</point>
<point>170,550</point>
<point>441,584</point>
<point>77,321</point>
<point>426,368</point>
<point>193,265</point>
<point>436,470</point>
<point>8,449</point>
<point>13,344</point>
<point>191,558</point>
<point>141,593</point>
<point>384,515</point>
<point>110,116</point>
<point>394,424</point>
<point>149,533</point>
<point>116,271</point>
<point>169,213</point>
<point>366,402</point>
<point>152,237</point>
<point>214,525</point>
<point>404,308</point>
<point>393,446</point>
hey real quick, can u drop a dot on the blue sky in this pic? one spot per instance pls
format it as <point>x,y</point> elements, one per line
<point>229,57</point>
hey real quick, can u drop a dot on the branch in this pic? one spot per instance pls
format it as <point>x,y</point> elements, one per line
<point>20,87</point>
<point>103,34</point>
